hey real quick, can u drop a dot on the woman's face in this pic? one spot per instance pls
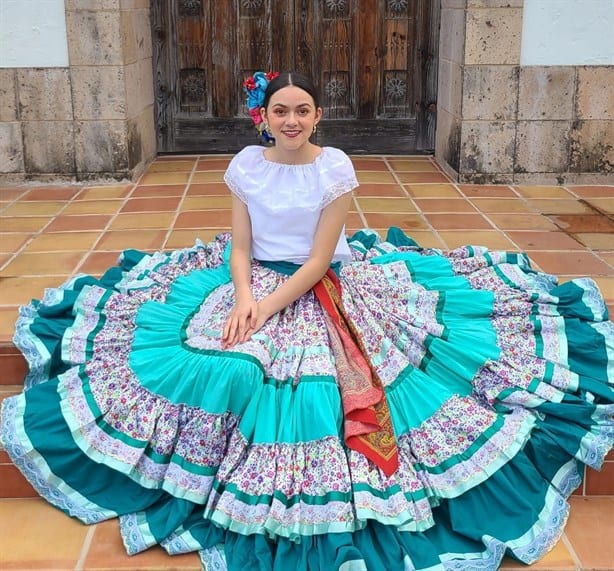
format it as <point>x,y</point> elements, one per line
<point>291,116</point>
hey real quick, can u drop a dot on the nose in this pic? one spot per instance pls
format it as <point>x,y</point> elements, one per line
<point>291,119</point>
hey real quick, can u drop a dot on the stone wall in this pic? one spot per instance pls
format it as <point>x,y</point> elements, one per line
<point>93,119</point>
<point>500,122</point>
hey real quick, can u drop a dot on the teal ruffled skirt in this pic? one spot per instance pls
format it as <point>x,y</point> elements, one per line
<point>500,385</point>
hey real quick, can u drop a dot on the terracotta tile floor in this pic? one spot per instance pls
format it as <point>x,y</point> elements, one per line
<point>49,233</point>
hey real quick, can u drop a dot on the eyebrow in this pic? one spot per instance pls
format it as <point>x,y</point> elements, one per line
<point>306,104</point>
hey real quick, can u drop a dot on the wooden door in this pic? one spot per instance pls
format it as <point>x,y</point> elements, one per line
<point>374,63</point>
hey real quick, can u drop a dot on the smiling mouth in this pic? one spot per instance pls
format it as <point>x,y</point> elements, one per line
<point>291,133</point>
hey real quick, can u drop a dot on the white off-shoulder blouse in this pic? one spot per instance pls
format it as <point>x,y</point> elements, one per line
<point>285,201</point>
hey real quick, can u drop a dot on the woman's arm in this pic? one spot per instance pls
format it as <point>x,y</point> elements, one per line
<point>243,314</point>
<point>327,234</point>
<point>241,247</point>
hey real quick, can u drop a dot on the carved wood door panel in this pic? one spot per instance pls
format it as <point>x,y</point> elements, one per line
<point>374,63</point>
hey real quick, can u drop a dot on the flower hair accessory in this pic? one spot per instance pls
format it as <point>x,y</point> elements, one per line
<point>255,86</point>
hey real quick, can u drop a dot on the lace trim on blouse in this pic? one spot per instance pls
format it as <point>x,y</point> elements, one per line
<point>337,190</point>
<point>235,188</point>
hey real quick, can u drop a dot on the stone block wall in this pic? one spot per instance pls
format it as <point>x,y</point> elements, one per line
<point>501,122</point>
<point>93,119</point>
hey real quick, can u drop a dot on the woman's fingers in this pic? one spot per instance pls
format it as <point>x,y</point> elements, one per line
<point>234,330</point>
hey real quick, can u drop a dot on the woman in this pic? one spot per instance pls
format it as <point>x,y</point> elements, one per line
<point>289,400</point>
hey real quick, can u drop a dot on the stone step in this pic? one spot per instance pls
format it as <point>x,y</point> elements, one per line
<point>13,366</point>
<point>12,482</point>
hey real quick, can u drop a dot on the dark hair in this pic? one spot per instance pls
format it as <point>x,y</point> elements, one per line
<point>291,78</point>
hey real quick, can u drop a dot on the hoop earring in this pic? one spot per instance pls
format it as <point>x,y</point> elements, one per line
<point>267,128</point>
<point>315,128</point>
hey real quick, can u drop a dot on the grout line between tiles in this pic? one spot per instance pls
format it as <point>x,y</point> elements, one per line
<point>419,211</point>
<point>40,231</point>
<point>103,231</point>
<point>171,226</point>
<point>571,550</point>
<point>360,212</point>
<point>85,548</point>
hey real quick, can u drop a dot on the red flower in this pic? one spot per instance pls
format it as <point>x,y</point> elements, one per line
<point>249,83</point>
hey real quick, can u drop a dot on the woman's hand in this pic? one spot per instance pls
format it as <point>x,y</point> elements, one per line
<point>246,317</point>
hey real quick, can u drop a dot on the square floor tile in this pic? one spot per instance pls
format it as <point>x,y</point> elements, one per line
<point>559,206</point>
<point>183,165</point>
<point>537,240</point>
<point>46,193</point>
<point>521,222</point>
<point>157,204</point>
<point>20,290</point>
<point>134,221</point>
<point>385,204</point>
<point>407,221</point>
<point>96,263</point>
<point>187,238</point>
<point>114,240</point>
<point>13,241</point>
<point>589,524</point>
<point>451,205</point>
<point>156,191</point>
<point>573,263</point>
<point>207,176</point>
<point>104,192</point>
<point>575,223</point>
<point>369,164</point>
<point>542,191</point>
<point>432,190</point>
<point>594,191</point>
<point>204,219</point>
<point>164,178</point>
<point>34,208</point>
<point>62,241</point>
<point>375,177</point>
<point>94,207</point>
<point>78,222</point>
<point>400,165</point>
<point>601,482</point>
<point>487,191</point>
<point>206,203</point>
<point>491,239</point>
<point>210,164</point>
<point>380,190</point>
<point>602,204</point>
<point>10,193</point>
<point>502,205</point>
<point>37,526</point>
<point>209,188</point>
<point>49,263</point>
<point>606,286</point>
<point>421,177</point>
<point>107,553</point>
<point>8,318</point>
<point>462,221</point>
